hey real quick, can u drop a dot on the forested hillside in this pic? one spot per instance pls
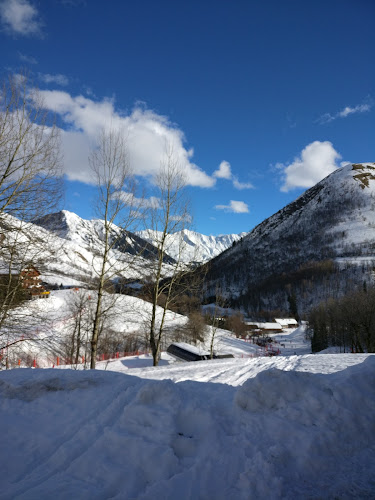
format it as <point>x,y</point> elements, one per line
<point>321,245</point>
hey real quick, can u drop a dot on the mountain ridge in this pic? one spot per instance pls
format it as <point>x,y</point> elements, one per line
<point>333,220</point>
<point>195,246</point>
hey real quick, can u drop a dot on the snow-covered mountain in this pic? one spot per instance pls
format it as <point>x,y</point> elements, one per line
<point>66,249</point>
<point>321,245</point>
<point>69,248</point>
<point>193,246</point>
<point>90,233</point>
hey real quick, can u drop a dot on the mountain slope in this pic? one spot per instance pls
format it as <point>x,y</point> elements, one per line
<point>320,245</point>
<point>90,233</point>
<point>196,247</point>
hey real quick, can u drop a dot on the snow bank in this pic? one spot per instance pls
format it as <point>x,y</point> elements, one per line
<point>283,433</point>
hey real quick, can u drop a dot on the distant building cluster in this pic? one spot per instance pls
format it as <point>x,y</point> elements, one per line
<point>276,326</point>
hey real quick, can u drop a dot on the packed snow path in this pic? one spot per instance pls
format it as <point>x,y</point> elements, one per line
<point>299,427</point>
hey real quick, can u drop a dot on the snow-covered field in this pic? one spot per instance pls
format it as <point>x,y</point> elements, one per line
<point>54,319</point>
<point>292,427</point>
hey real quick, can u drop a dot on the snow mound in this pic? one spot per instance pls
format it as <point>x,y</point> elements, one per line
<point>282,434</point>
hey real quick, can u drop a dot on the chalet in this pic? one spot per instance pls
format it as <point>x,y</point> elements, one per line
<point>31,281</point>
<point>287,322</point>
<point>264,327</point>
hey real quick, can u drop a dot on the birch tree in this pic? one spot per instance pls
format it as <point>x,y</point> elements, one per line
<point>115,207</point>
<point>169,215</point>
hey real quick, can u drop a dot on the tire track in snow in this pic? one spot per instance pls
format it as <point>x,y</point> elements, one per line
<point>71,446</point>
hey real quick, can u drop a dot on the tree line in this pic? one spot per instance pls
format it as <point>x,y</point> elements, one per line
<point>347,322</point>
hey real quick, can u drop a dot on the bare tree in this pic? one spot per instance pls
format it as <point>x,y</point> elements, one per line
<point>79,326</point>
<point>170,215</point>
<point>115,207</point>
<point>30,158</point>
<point>236,324</point>
<point>216,317</point>
<point>30,186</point>
<point>196,327</point>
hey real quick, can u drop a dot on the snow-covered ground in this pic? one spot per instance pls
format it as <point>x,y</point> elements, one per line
<point>54,320</point>
<point>292,427</point>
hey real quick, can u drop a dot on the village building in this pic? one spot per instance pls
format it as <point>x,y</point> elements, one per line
<point>264,327</point>
<point>32,283</point>
<point>287,322</point>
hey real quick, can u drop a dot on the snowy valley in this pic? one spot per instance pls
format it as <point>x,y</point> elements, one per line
<point>294,425</point>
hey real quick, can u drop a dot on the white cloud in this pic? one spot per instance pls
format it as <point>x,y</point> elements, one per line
<point>224,171</point>
<point>347,111</point>
<point>142,203</point>
<point>241,185</point>
<point>182,218</point>
<point>20,17</point>
<point>316,161</point>
<point>148,135</point>
<point>27,59</point>
<point>237,207</point>
<point>58,79</point>
<point>361,108</point>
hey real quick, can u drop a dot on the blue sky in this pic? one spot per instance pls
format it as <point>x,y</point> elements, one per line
<point>261,99</point>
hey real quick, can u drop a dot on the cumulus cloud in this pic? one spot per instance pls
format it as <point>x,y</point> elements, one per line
<point>20,17</point>
<point>237,207</point>
<point>148,135</point>
<point>224,171</point>
<point>316,161</point>
<point>347,111</point>
<point>58,79</point>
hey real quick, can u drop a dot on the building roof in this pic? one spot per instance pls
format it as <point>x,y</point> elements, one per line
<point>266,326</point>
<point>286,321</point>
